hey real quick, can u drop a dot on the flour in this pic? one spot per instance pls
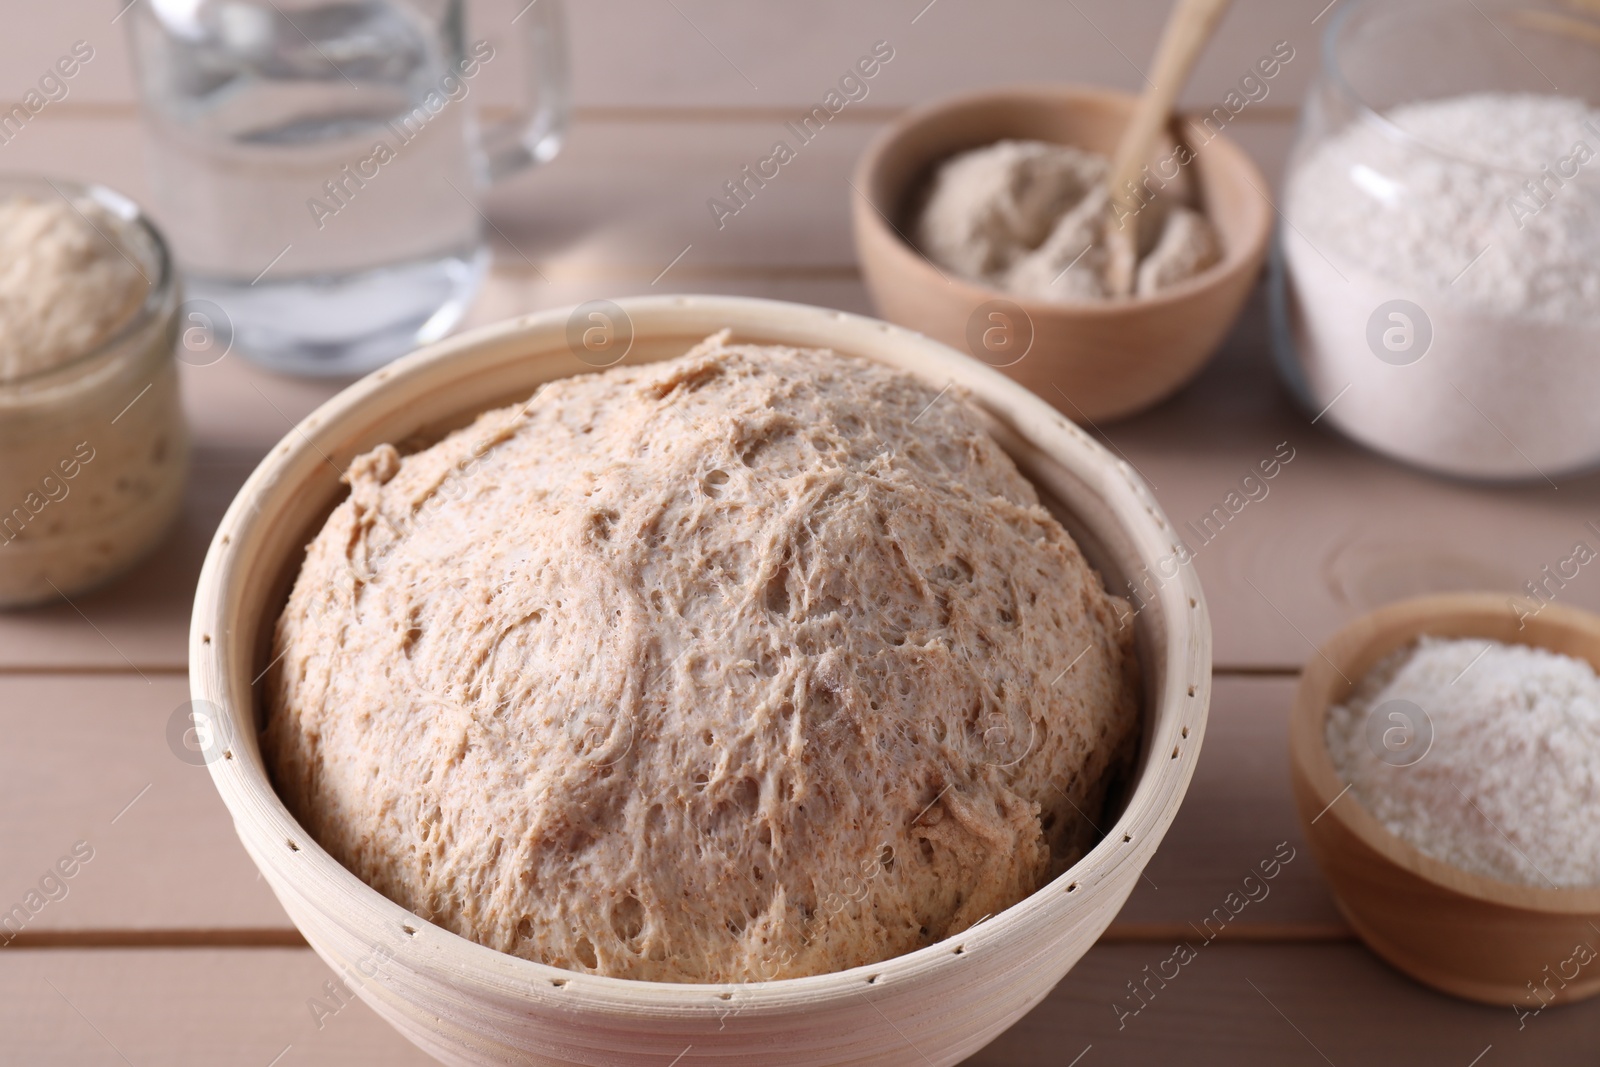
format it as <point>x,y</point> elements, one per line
<point>1029,217</point>
<point>1483,213</point>
<point>1511,783</point>
<point>1457,188</point>
<point>64,287</point>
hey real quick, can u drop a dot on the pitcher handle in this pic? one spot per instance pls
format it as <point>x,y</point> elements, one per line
<point>534,135</point>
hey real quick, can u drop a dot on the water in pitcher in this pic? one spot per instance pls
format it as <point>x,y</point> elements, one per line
<point>317,171</point>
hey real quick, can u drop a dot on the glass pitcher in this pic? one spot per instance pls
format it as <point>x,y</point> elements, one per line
<point>318,165</point>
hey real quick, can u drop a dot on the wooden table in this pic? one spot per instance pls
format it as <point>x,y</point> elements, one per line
<point>168,949</point>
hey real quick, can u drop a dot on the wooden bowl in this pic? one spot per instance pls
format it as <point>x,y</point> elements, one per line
<point>1094,360</point>
<point>1463,933</point>
<point>467,1004</point>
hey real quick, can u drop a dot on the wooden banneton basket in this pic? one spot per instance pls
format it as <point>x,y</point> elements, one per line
<point>1095,360</point>
<point>467,1004</point>
<point>1463,933</point>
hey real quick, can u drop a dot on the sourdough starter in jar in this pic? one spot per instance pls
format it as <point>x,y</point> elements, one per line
<point>93,446</point>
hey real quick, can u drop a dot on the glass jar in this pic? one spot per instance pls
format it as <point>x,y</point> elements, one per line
<point>320,165</point>
<point>1436,279</point>
<point>94,449</point>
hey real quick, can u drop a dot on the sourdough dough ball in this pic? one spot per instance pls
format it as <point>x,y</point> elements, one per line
<point>758,663</point>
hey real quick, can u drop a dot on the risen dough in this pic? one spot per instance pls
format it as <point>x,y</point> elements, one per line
<point>758,663</point>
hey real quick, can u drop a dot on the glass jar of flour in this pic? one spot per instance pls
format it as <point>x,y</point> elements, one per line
<point>1436,285</point>
<point>93,444</point>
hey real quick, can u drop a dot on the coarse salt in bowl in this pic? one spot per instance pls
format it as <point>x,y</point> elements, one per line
<point>467,1004</point>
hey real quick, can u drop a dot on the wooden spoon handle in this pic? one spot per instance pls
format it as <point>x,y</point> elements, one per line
<point>1188,29</point>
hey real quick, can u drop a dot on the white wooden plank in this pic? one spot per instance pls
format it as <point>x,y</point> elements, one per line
<point>246,1007</point>
<point>89,778</point>
<point>1288,1005</point>
<point>1232,1004</point>
<point>1237,822</point>
<point>709,53</point>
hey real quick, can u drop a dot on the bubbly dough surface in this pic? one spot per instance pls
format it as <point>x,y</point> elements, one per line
<point>64,286</point>
<point>757,663</point>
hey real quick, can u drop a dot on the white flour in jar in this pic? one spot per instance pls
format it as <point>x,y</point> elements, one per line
<point>1508,783</point>
<point>1483,213</point>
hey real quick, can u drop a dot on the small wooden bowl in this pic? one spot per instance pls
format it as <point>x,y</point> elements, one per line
<point>1094,360</point>
<point>468,1004</point>
<point>1463,933</point>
